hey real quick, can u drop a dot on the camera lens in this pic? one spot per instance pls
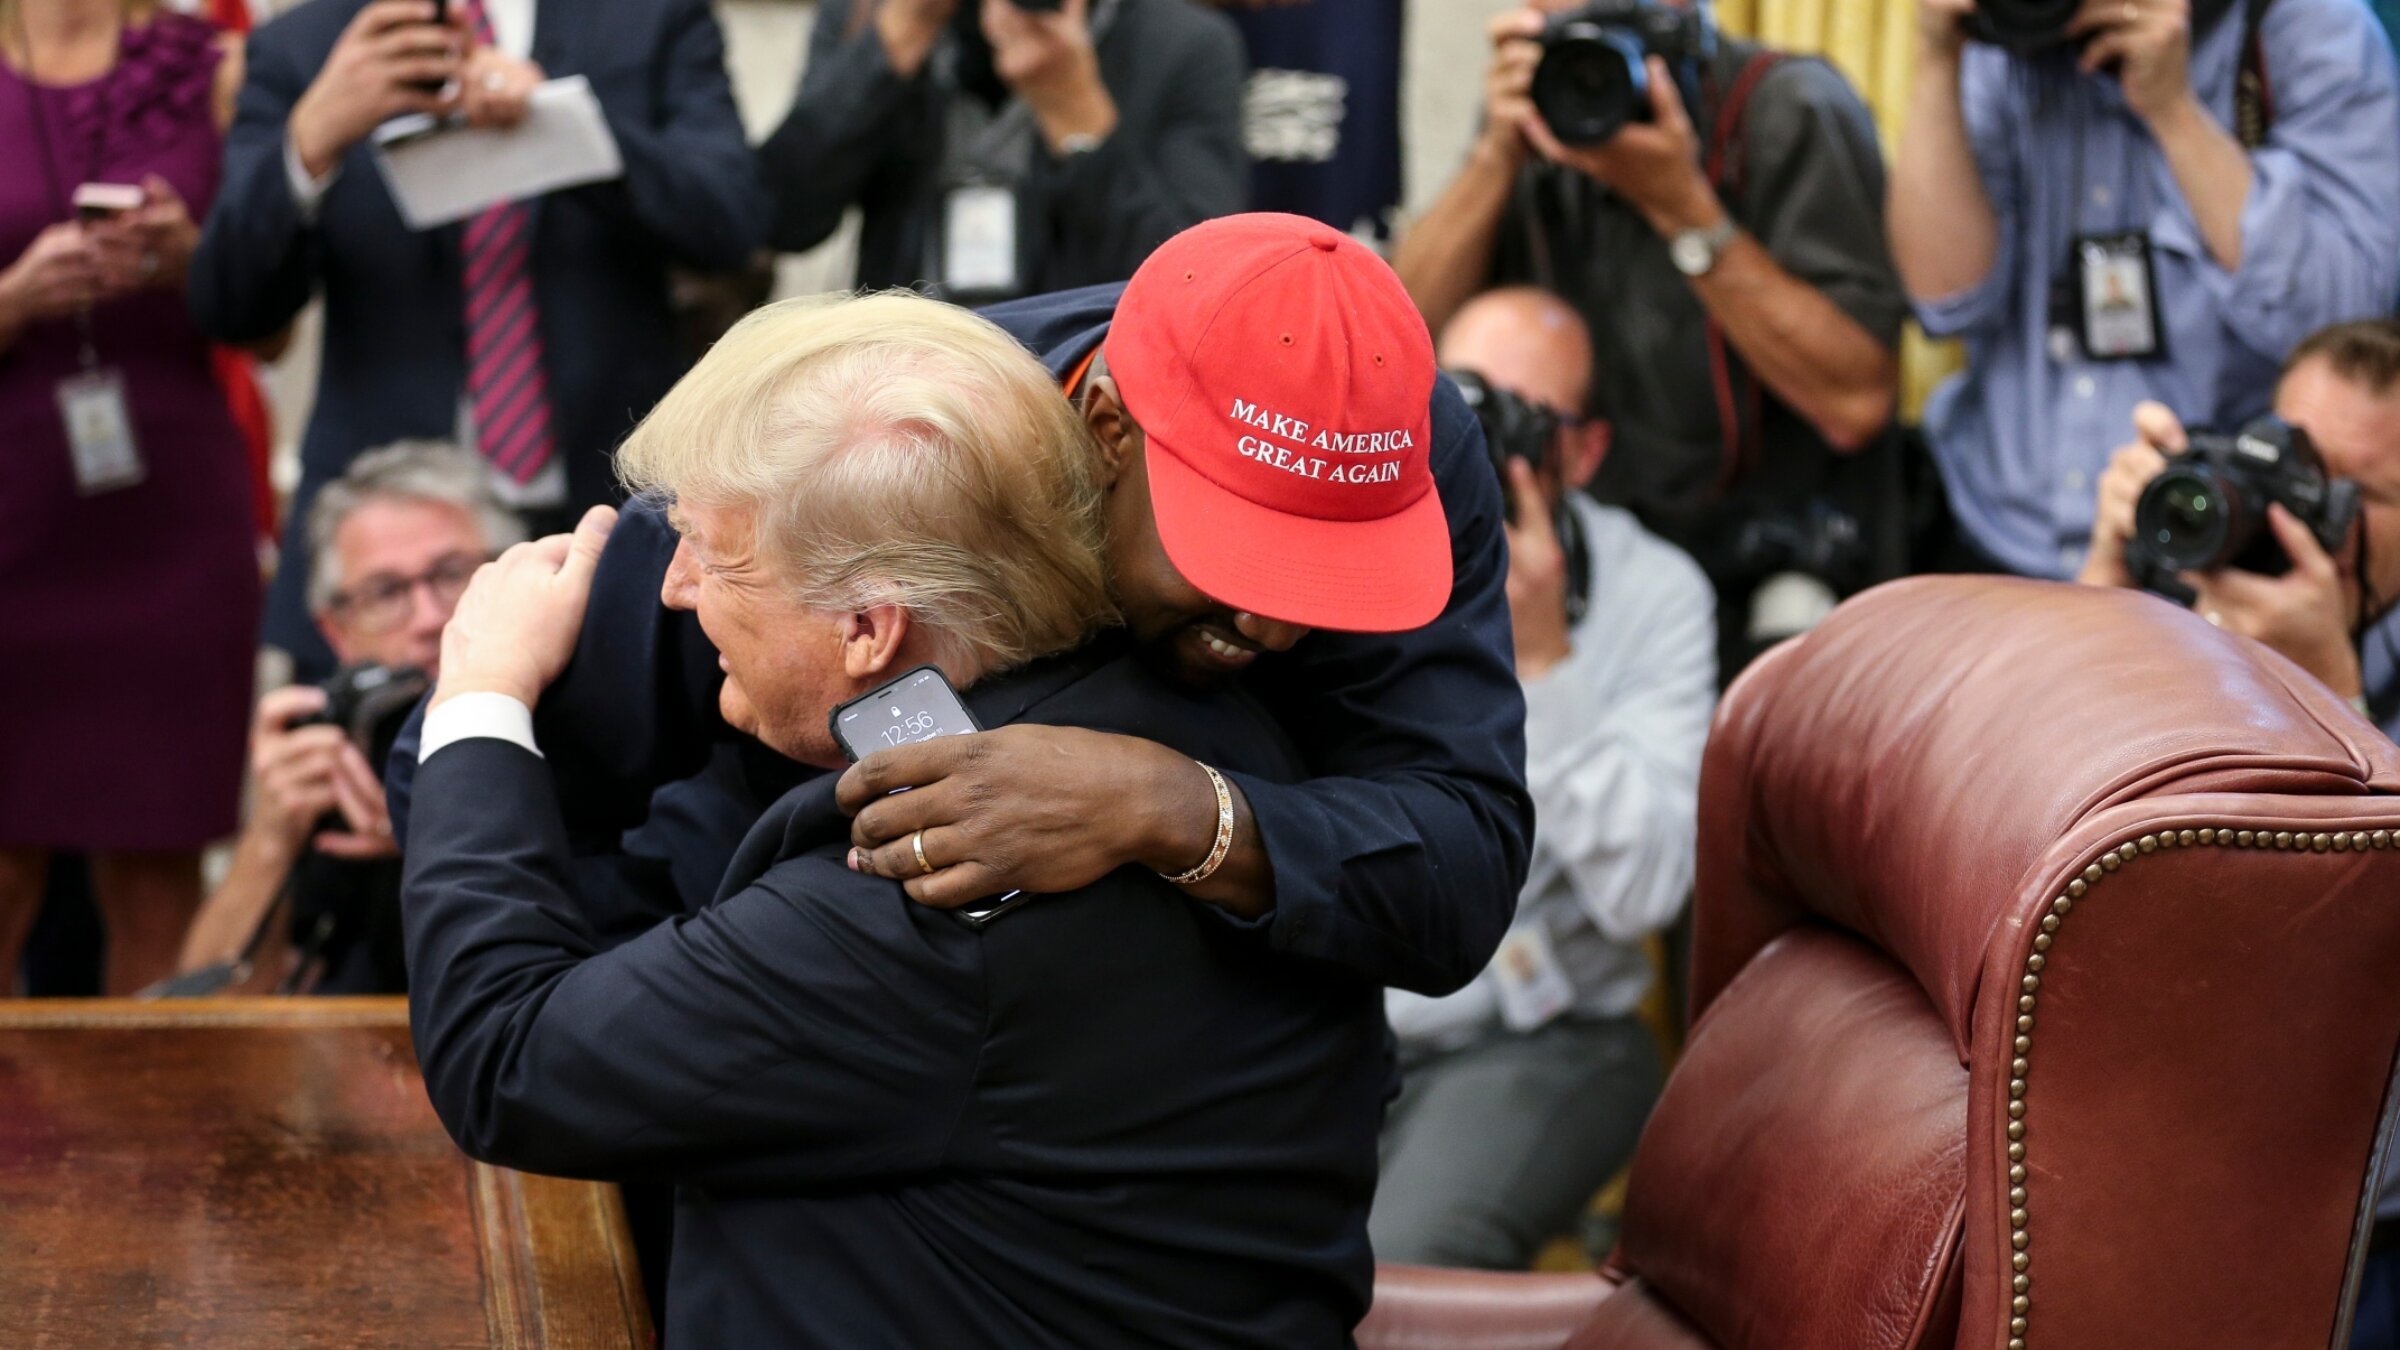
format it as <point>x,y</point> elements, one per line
<point>1590,83</point>
<point>2188,521</point>
<point>2023,25</point>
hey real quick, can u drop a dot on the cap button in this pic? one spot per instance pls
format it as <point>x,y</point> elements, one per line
<point>1326,240</point>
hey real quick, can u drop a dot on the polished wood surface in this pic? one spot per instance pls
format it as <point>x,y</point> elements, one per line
<point>268,1172</point>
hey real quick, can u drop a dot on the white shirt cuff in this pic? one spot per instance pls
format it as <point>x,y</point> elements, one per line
<point>307,193</point>
<point>478,714</point>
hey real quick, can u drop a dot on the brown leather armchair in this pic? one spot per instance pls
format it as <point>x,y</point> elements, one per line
<point>2046,985</point>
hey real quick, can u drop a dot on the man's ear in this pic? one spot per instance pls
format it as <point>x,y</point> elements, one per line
<point>1111,425</point>
<point>1586,446</point>
<point>871,641</point>
<point>335,638</point>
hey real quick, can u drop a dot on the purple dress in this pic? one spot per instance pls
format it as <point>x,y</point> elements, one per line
<point>128,619</point>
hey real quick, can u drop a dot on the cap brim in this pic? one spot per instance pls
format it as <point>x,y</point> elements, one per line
<point>1372,576</point>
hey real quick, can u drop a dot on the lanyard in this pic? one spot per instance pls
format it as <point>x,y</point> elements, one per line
<point>61,197</point>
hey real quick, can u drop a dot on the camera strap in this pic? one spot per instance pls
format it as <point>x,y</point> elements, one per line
<point>1724,162</point>
<point>2253,96</point>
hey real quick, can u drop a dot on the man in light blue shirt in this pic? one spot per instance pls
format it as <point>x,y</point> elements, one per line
<point>2254,241</point>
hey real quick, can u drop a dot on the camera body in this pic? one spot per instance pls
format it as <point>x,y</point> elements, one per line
<point>370,703</point>
<point>2022,26</point>
<point>2208,509</point>
<point>1592,80</point>
<point>1513,428</point>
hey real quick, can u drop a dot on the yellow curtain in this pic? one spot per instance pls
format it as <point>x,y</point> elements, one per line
<point>1873,43</point>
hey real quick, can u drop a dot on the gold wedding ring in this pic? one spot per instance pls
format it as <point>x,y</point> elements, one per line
<point>916,845</point>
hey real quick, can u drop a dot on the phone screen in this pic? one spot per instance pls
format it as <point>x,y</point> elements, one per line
<point>918,706</point>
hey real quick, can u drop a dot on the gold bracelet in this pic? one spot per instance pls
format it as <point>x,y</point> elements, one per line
<point>1224,845</point>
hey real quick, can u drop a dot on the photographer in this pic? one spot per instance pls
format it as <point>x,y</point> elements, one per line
<point>2153,201</point>
<point>1725,247</point>
<point>2341,388</point>
<point>1003,147</point>
<point>394,542</point>
<point>1524,1092</point>
<point>2333,613</point>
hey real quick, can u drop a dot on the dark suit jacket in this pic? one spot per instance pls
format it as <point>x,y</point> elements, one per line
<point>859,135</point>
<point>1400,857</point>
<point>395,330</point>
<point>1103,1120</point>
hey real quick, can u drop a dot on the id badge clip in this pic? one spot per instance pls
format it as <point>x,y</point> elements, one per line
<point>979,241</point>
<point>2116,297</point>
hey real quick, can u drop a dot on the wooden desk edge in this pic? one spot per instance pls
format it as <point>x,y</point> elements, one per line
<point>387,1011</point>
<point>583,1223</point>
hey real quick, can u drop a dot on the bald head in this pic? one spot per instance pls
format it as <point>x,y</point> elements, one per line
<point>1525,340</point>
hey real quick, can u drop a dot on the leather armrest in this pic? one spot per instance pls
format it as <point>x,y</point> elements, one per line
<point>1421,1308</point>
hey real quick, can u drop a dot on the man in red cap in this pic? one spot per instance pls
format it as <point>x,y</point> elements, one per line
<point>1281,458</point>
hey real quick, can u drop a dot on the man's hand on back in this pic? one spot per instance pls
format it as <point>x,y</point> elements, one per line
<point>516,625</point>
<point>1024,807</point>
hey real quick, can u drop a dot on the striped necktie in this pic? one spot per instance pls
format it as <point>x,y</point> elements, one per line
<point>506,384</point>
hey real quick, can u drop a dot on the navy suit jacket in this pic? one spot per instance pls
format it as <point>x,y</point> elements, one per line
<point>1400,856</point>
<point>395,329</point>
<point>1105,1119</point>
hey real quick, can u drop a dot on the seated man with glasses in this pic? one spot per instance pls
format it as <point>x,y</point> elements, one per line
<point>311,902</point>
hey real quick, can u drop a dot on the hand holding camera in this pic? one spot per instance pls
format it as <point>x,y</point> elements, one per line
<point>397,56</point>
<point>1607,100</point>
<point>2248,526</point>
<point>308,769</point>
<point>1047,57</point>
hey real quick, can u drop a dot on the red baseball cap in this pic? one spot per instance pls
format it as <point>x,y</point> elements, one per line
<point>1284,380</point>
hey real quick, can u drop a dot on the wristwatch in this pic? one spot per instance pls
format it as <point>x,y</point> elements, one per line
<point>1696,251</point>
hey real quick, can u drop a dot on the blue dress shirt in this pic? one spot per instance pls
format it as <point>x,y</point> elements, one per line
<point>2023,435</point>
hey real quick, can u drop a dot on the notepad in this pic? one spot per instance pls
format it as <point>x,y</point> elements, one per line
<point>444,171</point>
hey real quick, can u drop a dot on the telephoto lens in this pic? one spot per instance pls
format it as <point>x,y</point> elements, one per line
<point>2193,520</point>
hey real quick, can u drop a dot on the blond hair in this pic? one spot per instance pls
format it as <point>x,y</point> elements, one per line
<point>901,451</point>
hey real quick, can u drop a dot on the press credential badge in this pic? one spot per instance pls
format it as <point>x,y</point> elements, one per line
<point>99,432</point>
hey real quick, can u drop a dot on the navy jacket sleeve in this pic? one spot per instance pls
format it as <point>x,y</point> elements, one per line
<point>1402,858</point>
<point>634,709</point>
<point>681,1055</point>
<point>854,114</point>
<point>690,180</point>
<point>256,263</point>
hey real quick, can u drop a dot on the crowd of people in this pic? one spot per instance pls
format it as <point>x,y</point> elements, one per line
<point>1347,625</point>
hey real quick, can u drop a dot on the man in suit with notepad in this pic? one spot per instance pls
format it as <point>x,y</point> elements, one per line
<point>536,332</point>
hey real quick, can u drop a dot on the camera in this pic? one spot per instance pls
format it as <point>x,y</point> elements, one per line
<point>2022,26</point>
<point>370,703</point>
<point>1513,428</point>
<point>1592,81</point>
<point>2208,509</point>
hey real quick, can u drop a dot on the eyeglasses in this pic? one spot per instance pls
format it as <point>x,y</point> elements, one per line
<point>382,602</point>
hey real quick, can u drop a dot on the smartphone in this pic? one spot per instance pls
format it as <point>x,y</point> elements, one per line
<point>918,706</point>
<point>441,18</point>
<point>96,202</point>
